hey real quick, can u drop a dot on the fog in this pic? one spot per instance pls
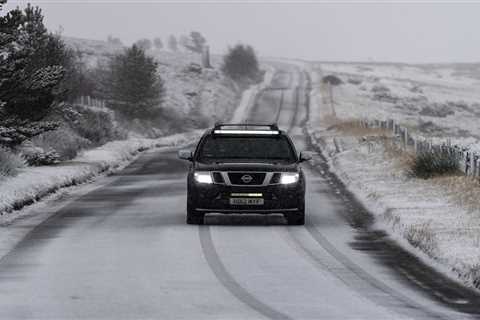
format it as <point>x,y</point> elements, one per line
<point>403,32</point>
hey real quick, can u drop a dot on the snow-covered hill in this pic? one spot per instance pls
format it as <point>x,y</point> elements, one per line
<point>436,101</point>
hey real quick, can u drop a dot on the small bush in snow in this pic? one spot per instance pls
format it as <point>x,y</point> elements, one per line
<point>9,163</point>
<point>36,156</point>
<point>354,81</point>
<point>437,110</point>
<point>380,89</point>
<point>64,141</point>
<point>435,163</point>
<point>332,80</point>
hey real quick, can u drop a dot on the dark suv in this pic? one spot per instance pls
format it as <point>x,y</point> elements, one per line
<point>245,168</point>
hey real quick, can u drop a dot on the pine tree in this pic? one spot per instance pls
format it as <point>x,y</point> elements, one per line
<point>194,42</point>
<point>144,44</point>
<point>241,63</point>
<point>30,73</point>
<point>133,86</point>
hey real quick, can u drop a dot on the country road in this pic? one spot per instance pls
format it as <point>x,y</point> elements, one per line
<point>123,251</point>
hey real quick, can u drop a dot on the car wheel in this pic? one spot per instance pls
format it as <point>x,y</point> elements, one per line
<point>297,218</point>
<point>193,216</point>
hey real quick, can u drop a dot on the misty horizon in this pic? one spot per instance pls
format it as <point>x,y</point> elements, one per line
<point>408,32</point>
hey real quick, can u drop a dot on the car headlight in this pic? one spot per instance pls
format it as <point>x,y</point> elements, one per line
<point>289,177</point>
<point>203,177</point>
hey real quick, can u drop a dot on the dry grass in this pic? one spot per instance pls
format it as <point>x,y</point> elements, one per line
<point>422,237</point>
<point>463,190</point>
<point>353,127</point>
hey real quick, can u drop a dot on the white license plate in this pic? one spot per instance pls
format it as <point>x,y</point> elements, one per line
<point>246,201</point>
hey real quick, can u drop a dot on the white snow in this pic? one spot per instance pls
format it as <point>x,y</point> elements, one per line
<point>249,96</point>
<point>423,215</point>
<point>414,87</point>
<point>34,183</point>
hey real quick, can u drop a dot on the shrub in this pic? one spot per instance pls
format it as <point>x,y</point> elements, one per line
<point>380,88</point>
<point>64,141</point>
<point>9,163</point>
<point>435,163</point>
<point>332,80</point>
<point>133,86</point>
<point>96,125</point>
<point>36,156</point>
<point>241,63</point>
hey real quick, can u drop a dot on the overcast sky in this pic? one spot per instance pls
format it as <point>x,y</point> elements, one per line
<point>407,32</point>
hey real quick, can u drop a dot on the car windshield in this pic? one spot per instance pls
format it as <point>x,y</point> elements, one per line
<point>277,148</point>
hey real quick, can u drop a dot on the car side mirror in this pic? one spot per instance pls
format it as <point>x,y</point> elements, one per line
<point>305,156</point>
<point>185,155</point>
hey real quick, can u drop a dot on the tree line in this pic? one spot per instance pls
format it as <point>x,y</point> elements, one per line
<point>39,73</point>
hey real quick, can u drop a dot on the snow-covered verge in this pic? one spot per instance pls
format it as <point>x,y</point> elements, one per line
<point>34,183</point>
<point>431,218</point>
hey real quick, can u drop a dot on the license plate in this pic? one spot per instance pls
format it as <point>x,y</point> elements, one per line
<point>246,201</point>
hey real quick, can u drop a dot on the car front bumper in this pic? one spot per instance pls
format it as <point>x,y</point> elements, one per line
<point>276,198</point>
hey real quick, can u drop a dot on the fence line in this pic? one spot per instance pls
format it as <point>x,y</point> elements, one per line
<point>469,162</point>
<point>91,102</point>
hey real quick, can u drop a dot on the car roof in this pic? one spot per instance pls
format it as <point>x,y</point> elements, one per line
<point>245,129</point>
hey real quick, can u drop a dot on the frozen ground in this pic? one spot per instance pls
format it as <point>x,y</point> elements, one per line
<point>429,217</point>
<point>436,101</point>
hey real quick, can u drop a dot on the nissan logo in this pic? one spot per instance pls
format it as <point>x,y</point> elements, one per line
<point>246,178</point>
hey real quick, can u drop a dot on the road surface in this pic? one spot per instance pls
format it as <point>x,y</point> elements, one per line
<point>123,251</point>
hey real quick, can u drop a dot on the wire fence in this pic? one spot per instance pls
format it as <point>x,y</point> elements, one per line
<point>91,102</point>
<point>468,161</point>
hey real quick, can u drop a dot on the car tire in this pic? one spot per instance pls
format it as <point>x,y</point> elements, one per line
<point>297,218</point>
<point>193,216</point>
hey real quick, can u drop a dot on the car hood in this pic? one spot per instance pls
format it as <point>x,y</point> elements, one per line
<point>246,166</point>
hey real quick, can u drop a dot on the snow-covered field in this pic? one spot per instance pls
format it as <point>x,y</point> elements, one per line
<point>429,217</point>
<point>436,101</point>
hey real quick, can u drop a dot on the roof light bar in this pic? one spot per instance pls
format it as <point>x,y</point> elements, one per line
<point>266,132</point>
<point>245,126</point>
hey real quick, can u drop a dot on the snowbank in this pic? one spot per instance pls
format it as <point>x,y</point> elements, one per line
<point>422,215</point>
<point>34,183</point>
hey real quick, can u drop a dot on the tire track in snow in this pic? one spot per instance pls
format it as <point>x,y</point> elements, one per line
<point>354,270</point>
<point>229,282</point>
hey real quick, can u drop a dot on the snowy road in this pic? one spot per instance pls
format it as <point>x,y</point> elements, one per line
<point>124,251</point>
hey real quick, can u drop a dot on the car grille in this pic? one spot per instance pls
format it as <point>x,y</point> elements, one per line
<point>246,178</point>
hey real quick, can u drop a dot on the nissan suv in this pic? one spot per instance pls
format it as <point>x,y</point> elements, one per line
<point>245,168</point>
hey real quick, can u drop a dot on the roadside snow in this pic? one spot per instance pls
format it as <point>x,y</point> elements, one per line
<point>249,96</point>
<point>34,183</point>
<point>422,215</point>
